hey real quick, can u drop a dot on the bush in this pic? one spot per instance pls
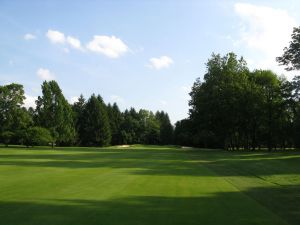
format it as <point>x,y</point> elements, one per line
<point>6,137</point>
<point>37,136</point>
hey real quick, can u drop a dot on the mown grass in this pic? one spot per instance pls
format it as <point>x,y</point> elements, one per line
<point>147,185</point>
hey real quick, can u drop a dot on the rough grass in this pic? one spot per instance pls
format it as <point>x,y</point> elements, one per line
<point>147,185</point>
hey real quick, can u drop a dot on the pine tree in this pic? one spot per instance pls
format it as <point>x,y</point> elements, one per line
<point>55,113</point>
<point>78,110</point>
<point>96,129</point>
<point>166,128</point>
<point>115,121</point>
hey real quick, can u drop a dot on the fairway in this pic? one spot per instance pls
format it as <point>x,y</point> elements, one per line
<point>146,185</point>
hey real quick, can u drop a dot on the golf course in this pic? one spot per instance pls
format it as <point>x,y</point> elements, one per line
<point>148,185</point>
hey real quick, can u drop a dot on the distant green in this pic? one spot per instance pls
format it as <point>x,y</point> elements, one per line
<point>147,185</point>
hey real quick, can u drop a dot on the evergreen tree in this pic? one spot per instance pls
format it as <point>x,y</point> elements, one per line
<point>183,133</point>
<point>149,132</point>
<point>115,121</point>
<point>96,129</point>
<point>54,113</point>
<point>166,128</point>
<point>78,118</point>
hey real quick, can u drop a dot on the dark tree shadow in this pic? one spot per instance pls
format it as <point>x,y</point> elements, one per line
<point>153,161</point>
<point>221,208</point>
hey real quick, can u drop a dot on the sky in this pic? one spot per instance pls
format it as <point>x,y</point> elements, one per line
<point>141,54</point>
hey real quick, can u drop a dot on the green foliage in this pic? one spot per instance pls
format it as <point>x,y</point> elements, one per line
<point>96,129</point>
<point>183,132</point>
<point>55,113</point>
<point>230,108</point>
<point>140,127</point>
<point>214,102</point>
<point>132,127</point>
<point>115,121</point>
<point>234,108</point>
<point>6,137</point>
<point>294,102</point>
<point>291,54</point>
<point>37,136</point>
<point>166,128</point>
<point>78,118</point>
<point>150,127</point>
<point>12,115</point>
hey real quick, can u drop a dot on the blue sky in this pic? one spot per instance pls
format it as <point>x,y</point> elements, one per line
<point>144,54</point>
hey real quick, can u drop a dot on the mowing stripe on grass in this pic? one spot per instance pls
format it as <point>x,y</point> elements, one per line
<point>140,185</point>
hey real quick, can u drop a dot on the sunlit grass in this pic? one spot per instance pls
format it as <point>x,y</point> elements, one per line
<point>147,185</point>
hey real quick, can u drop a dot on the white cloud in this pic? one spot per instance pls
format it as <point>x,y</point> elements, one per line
<point>30,101</point>
<point>161,62</point>
<point>74,42</point>
<point>45,74</point>
<point>111,47</point>
<point>56,37</point>
<point>29,37</point>
<point>265,30</point>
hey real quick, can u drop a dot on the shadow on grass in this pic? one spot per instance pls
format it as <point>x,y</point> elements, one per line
<point>164,161</point>
<point>91,149</point>
<point>222,208</point>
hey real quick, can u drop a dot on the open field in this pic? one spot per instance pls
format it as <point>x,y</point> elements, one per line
<point>146,185</point>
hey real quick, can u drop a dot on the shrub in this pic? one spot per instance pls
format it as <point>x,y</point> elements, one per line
<point>37,136</point>
<point>6,137</point>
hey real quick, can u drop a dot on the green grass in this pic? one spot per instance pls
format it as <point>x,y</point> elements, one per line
<point>147,185</point>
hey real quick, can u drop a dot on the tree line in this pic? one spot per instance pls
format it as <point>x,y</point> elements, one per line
<point>231,108</point>
<point>235,108</point>
<point>88,122</point>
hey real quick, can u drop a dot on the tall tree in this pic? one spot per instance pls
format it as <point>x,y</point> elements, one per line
<point>55,113</point>
<point>183,133</point>
<point>115,121</point>
<point>214,102</point>
<point>269,85</point>
<point>291,54</point>
<point>234,108</point>
<point>166,128</point>
<point>295,84</point>
<point>78,117</point>
<point>148,127</point>
<point>96,130</point>
<point>13,117</point>
<point>131,129</point>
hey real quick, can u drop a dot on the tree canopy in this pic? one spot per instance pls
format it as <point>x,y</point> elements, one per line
<point>55,113</point>
<point>231,107</point>
<point>291,54</point>
<point>235,108</point>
